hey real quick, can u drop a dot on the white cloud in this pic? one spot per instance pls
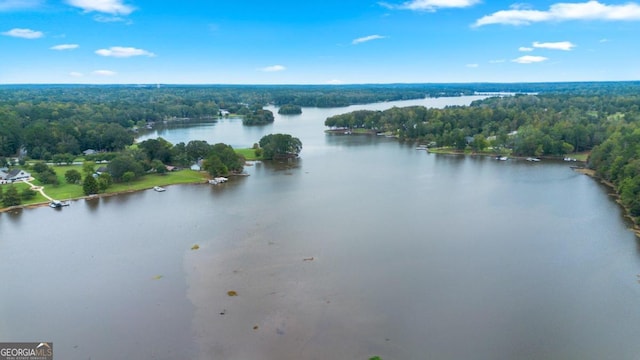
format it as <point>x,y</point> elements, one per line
<point>529,59</point>
<point>110,19</point>
<point>335,82</point>
<point>76,74</point>
<point>431,5</point>
<point>104,73</point>
<point>113,7</point>
<point>65,47</point>
<point>472,65</point>
<point>604,40</point>
<point>24,33</point>
<point>560,45</point>
<point>273,68</point>
<point>123,52</point>
<point>14,5</point>
<point>590,10</point>
<point>524,48</point>
<point>367,38</point>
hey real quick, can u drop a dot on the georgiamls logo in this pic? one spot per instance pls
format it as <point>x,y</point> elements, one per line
<point>26,351</point>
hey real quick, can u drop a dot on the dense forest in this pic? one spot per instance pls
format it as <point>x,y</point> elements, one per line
<point>543,119</point>
<point>289,109</point>
<point>531,125</point>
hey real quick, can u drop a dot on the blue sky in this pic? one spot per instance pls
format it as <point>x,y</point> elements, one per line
<point>317,42</point>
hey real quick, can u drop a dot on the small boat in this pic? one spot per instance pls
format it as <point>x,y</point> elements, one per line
<point>502,158</point>
<point>533,159</point>
<point>58,204</point>
<point>570,159</point>
<point>218,180</point>
<point>158,188</point>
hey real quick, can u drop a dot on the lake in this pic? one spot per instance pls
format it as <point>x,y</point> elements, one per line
<point>362,247</point>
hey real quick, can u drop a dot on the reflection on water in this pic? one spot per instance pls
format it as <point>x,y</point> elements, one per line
<point>362,247</point>
<point>13,215</point>
<point>92,204</point>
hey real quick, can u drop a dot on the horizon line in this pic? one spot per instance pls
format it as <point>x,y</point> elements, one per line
<point>318,84</point>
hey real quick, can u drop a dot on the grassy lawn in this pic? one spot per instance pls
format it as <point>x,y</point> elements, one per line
<point>488,152</point>
<point>582,156</point>
<point>248,153</point>
<point>20,187</point>
<point>186,176</point>
<point>65,191</point>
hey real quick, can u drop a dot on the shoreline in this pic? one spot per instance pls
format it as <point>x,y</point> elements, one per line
<point>614,194</point>
<point>203,181</point>
<point>635,226</point>
<point>91,197</point>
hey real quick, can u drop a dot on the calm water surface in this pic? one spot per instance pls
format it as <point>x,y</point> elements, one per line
<point>415,256</point>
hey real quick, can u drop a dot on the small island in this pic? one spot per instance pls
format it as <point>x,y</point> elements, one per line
<point>290,109</point>
<point>258,117</point>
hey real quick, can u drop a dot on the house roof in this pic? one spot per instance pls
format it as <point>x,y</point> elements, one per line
<point>15,172</point>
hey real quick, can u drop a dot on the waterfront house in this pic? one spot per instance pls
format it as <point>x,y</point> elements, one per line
<point>197,166</point>
<point>14,175</point>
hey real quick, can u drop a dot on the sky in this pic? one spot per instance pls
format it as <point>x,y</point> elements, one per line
<point>317,42</point>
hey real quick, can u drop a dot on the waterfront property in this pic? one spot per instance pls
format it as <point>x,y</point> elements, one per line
<point>13,175</point>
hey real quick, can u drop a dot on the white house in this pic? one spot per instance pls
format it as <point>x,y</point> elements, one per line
<point>14,175</point>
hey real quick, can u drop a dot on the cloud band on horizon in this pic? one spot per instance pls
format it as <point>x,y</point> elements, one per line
<point>590,10</point>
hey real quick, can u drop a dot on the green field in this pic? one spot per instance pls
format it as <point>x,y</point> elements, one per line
<point>65,191</point>
<point>248,153</point>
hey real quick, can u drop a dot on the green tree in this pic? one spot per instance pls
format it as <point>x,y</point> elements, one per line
<point>258,117</point>
<point>104,181</point>
<point>88,167</point>
<point>27,194</point>
<point>214,166</point>
<point>290,109</point>
<point>159,167</point>
<point>233,161</point>
<point>125,163</point>
<point>90,185</point>
<point>179,155</point>
<point>277,146</point>
<point>479,142</point>
<point>128,176</point>
<point>157,149</point>
<point>73,176</point>
<point>11,197</point>
<point>197,149</point>
<point>40,167</point>
<point>48,177</point>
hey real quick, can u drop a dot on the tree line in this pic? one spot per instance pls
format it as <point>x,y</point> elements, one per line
<point>528,125</point>
<point>68,119</point>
